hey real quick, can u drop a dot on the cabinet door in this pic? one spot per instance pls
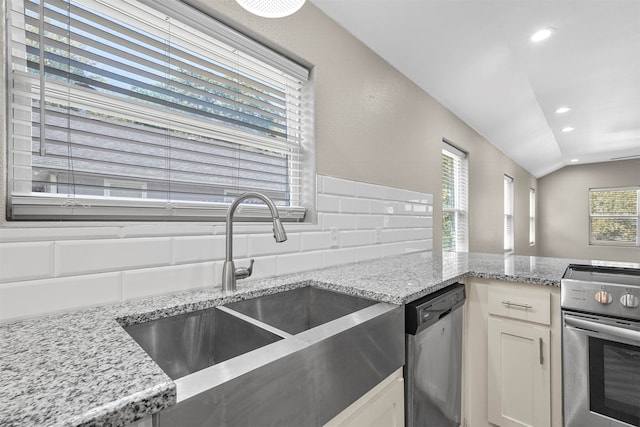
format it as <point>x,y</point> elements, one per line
<point>383,406</point>
<point>519,381</point>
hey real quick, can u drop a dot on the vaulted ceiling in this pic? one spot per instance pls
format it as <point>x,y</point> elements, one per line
<point>476,58</point>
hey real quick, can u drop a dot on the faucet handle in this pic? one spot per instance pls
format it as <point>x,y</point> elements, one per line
<point>244,272</point>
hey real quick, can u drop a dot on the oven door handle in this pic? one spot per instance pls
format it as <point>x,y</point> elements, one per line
<point>616,331</point>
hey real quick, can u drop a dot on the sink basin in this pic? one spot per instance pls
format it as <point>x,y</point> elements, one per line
<point>296,358</point>
<point>300,309</point>
<point>187,343</point>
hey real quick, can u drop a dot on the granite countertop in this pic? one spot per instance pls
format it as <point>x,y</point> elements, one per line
<point>83,369</point>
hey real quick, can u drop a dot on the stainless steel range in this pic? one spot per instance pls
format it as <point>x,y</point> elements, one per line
<point>601,346</point>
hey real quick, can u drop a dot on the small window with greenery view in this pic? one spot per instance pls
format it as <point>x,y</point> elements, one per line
<point>454,199</point>
<point>614,216</point>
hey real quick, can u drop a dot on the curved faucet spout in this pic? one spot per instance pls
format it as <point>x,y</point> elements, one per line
<point>229,272</point>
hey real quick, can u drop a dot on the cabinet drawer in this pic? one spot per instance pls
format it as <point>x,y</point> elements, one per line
<point>522,304</point>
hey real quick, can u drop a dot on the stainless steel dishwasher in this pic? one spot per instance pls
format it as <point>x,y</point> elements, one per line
<point>434,359</point>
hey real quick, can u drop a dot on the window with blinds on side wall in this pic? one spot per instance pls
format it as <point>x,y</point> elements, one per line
<point>532,217</point>
<point>509,230</point>
<point>126,109</point>
<point>454,199</point>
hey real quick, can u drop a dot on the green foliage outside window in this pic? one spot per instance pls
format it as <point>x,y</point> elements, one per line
<point>614,216</point>
<point>448,202</point>
<point>448,231</point>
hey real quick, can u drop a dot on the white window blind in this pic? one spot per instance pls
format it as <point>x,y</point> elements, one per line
<point>614,216</point>
<point>508,215</point>
<point>532,216</point>
<point>124,109</point>
<point>454,199</point>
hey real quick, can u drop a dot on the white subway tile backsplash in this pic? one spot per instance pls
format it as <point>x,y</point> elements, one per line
<point>36,297</point>
<point>398,194</point>
<point>320,184</point>
<point>349,205</point>
<point>316,241</point>
<point>338,257</point>
<point>265,266</point>
<point>416,197</point>
<point>407,208</point>
<point>26,261</point>
<point>371,191</point>
<point>369,221</point>
<point>400,248</point>
<point>92,256</point>
<point>338,186</point>
<point>357,238</point>
<point>369,252</point>
<point>406,221</point>
<point>397,235</point>
<point>166,229</point>
<point>99,263</point>
<point>295,263</point>
<point>339,221</point>
<point>264,244</point>
<point>192,249</point>
<point>45,234</point>
<point>383,207</point>
<point>328,203</point>
<point>148,282</point>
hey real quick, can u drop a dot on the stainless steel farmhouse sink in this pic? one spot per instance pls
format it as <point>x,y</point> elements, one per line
<point>187,343</point>
<point>295,358</point>
<point>300,309</point>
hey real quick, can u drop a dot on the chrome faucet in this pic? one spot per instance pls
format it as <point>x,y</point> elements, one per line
<point>229,272</point>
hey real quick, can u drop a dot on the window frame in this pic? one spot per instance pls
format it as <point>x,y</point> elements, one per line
<point>509,214</point>
<point>23,207</point>
<point>532,217</point>
<point>593,242</point>
<point>460,210</point>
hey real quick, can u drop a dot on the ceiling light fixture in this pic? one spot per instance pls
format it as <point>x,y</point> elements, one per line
<point>563,110</point>
<point>575,160</point>
<point>543,34</point>
<point>271,8</point>
<point>568,129</point>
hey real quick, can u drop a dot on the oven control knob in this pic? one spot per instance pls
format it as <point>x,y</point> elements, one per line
<point>603,297</point>
<point>629,300</point>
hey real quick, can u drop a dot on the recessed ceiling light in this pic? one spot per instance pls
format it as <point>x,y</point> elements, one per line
<point>563,110</point>
<point>543,34</point>
<point>568,129</point>
<point>575,160</point>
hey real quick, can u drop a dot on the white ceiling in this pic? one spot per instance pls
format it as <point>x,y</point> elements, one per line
<point>475,58</point>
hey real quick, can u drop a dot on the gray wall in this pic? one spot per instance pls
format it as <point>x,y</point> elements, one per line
<point>564,209</point>
<point>374,125</point>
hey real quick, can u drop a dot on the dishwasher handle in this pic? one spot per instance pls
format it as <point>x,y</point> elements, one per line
<point>426,311</point>
<point>429,317</point>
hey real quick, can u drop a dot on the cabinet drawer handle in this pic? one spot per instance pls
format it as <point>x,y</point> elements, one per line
<point>540,347</point>
<point>513,304</point>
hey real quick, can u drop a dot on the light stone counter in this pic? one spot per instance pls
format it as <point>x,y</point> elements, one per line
<point>83,369</point>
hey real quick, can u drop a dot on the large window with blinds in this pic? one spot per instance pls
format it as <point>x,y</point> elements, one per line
<point>509,230</point>
<point>614,216</point>
<point>454,199</point>
<point>127,109</point>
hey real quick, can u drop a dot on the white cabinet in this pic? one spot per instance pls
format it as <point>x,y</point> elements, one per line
<point>511,355</point>
<point>519,381</point>
<point>382,406</point>
<point>519,385</point>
